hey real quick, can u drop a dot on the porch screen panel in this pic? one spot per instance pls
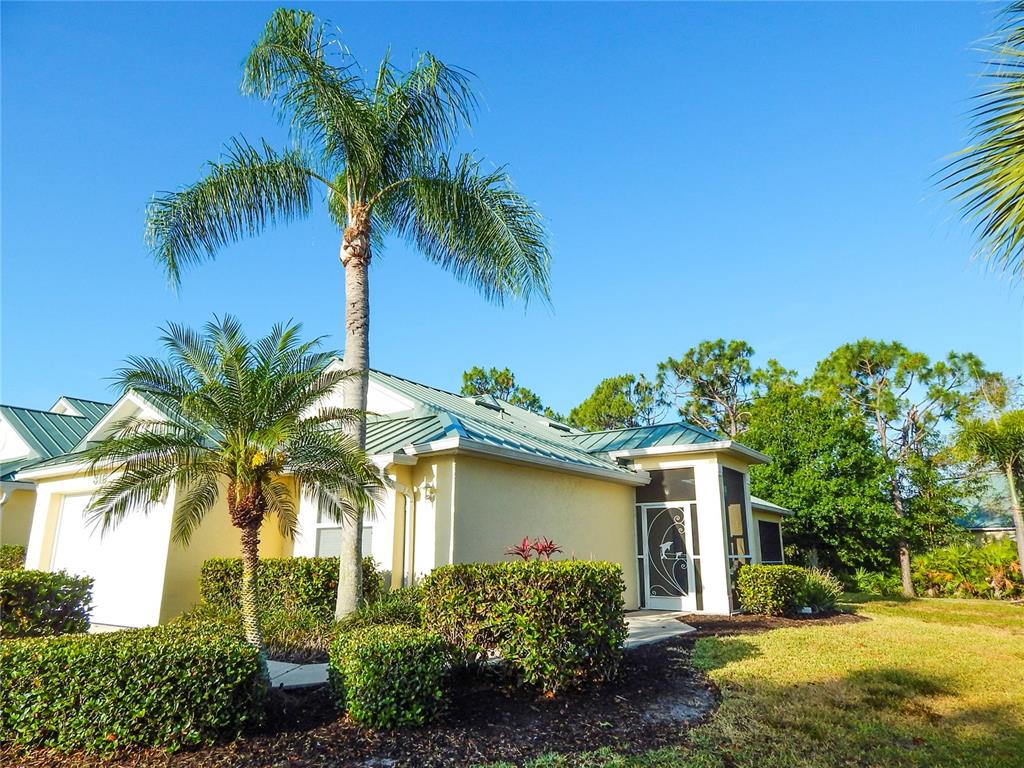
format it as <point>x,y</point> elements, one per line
<point>736,527</point>
<point>668,485</point>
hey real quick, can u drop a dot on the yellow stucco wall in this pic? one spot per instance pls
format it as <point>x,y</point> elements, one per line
<point>498,503</point>
<point>215,537</point>
<point>16,517</point>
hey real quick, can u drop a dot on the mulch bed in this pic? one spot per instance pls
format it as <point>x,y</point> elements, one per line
<point>658,698</point>
<point>743,624</point>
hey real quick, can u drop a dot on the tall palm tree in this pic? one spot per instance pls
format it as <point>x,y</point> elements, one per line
<point>379,153</point>
<point>243,416</point>
<point>987,177</point>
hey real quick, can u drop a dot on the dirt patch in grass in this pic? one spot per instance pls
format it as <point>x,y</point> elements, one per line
<point>744,624</point>
<point>657,699</point>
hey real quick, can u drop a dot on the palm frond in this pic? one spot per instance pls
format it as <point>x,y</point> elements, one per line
<point>240,197</point>
<point>194,501</point>
<point>987,178</point>
<point>475,225</point>
<point>326,104</point>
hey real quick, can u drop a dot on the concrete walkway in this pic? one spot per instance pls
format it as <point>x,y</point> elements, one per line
<point>644,627</point>
<point>287,675</point>
<point>654,626</point>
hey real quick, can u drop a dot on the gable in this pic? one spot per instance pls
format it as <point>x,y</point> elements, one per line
<point>12,445</point>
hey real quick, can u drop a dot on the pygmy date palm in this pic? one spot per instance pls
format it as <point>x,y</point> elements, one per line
<point>377,153</point>
<point>243,420</point>
<point>987,177</point>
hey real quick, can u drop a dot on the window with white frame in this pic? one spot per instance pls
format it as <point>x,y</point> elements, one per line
<point>328,536</point>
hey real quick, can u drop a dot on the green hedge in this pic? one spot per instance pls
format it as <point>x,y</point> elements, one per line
<point>388,676</point>
<point>291,583</point>
<point>37,603</point>
<point>557,624</point>
<point>12,557</point>
<point>770,589</point>
<point>161,687</point>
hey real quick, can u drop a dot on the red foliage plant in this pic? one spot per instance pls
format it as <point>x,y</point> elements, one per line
<point>543,547</point>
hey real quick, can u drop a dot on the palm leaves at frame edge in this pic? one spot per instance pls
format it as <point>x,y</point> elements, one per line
<point>987,177</point>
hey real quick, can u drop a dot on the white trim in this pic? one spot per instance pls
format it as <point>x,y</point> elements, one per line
<point>720,445</point>
<point>109,415</point>
<point>15,485</point>
<point>767,506</point>
<point>71,468</point>
<point>477,447</point>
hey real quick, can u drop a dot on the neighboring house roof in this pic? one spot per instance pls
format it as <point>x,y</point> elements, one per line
<point>991,509</point>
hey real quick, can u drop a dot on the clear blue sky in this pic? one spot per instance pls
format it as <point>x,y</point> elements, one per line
<point>760,171</point>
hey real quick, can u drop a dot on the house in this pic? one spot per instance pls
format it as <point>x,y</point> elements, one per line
<point>28,436</point>
<point>469,477</point>
<point>989,517</point>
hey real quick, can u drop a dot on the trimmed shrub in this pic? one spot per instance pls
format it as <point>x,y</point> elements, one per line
<point>12,557</point>
<point>820,590</point>
<point>289,584</point>
<point>556,624</point>
<point>164,687</point>
<point>38,603</point>
<point>387,676</point>
<point>771,590</point>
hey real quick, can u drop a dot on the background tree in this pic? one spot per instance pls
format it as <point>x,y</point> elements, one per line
<point>713,384</point>
<point>824,467</point>
<point>616,403</point>
<point>905,399</point>
<point>987,178</point>
<point>502,384</point>
<point>241,414</point>
<point>377,155</point>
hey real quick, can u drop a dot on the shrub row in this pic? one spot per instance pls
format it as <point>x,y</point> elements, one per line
<point>989,571</point>
<point>12,557</point>
<point>389,675</point>
<point>165,686</point>
<point>290,584</point>
<point>37,603</point>
<point>556,624</point>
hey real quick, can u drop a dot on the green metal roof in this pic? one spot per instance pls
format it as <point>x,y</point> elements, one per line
<point>494,422</point>
<point>49,434</point>
<point>389,435</point>
<point>679,433</point>
<point>90,409</point>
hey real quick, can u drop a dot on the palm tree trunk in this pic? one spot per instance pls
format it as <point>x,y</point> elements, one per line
<point>355,258</point>
<point>1018,516</point>
<point>249,594</point>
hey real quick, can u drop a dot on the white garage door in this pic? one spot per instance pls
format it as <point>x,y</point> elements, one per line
<point>126,563</point>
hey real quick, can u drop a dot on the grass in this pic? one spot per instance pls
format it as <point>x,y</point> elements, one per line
<point>929,683</point>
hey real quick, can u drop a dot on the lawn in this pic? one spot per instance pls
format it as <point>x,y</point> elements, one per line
<point>920,683</point>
